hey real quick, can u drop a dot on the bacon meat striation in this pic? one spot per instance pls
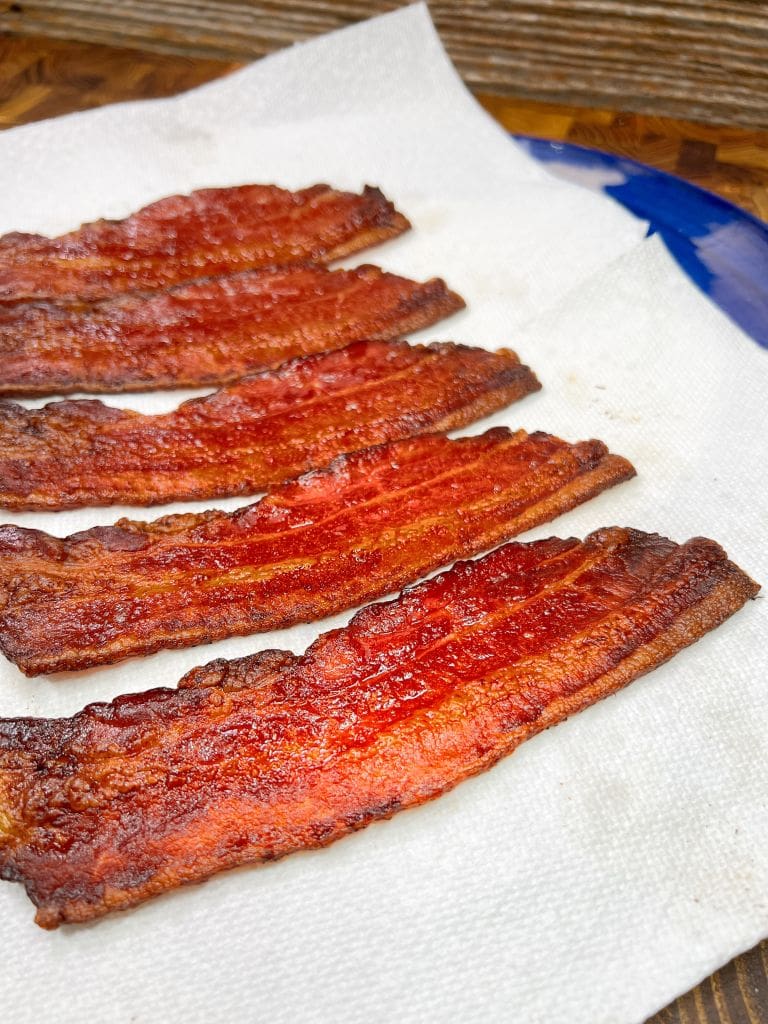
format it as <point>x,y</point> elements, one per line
<point>260,431</point>
<point>181,238</point>
<point>365,526</point>
<point>208,332</point>
<point>251,760</point>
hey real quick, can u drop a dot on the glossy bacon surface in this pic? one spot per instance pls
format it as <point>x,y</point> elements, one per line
<point>181,238</point>
<point>208,332</point>
<point>370,523</point>
<point>254,759</point>
<point>249,435</point>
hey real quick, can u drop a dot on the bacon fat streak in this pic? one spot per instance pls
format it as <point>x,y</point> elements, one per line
<point>249,435</point>
<point>254,759</point>
<point>365,526</point>
<point>208,332</point>
<point>181,238</point>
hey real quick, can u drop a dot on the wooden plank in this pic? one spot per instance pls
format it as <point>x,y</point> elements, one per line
<point>43,78</point>
<point>707,60</point>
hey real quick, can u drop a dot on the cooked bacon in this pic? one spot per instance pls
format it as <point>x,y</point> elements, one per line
<point>254,759</point>
<point>367,525</point>
<point>208,332</point>
<point>258,432</point>
<point>181,238</point>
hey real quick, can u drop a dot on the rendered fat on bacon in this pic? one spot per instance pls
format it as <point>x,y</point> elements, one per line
<point>260,431</point>
<point>181,238</point>
<point>251,760</point>
<point>208,332</point>
<point>367,525</point>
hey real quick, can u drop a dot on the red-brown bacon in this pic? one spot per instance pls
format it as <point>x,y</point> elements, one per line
<point>260,431</point>
<point>370,523</point>
<point>254,759</point>
<point>208,332</point>
<point>181,238</point>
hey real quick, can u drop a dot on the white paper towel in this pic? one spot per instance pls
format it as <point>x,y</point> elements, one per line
<point>613,861</point>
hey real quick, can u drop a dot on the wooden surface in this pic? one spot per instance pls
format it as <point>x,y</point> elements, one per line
<point>42,78</point>
<point>706,59</point>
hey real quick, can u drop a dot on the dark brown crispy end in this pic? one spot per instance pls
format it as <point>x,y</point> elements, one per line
<point>433,301</point>
<point>377,221</point>
<point>364,526</point>
<point>251,760</point>
<point>732,591</point>
<point>509,385</point>
<point>239,673</point>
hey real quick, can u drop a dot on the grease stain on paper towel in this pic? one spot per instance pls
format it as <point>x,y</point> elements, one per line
<point>582,392</point>
<point>431,219</point>
<point>177,132</point>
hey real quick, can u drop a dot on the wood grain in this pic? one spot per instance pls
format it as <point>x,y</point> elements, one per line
<point>43,78</point>
<point>706,59</point>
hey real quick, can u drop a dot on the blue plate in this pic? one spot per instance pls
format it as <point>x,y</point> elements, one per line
<point>722,249</point>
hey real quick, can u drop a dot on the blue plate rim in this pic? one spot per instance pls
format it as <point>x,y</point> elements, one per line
<point>692,240</point>
<point>649,169</point>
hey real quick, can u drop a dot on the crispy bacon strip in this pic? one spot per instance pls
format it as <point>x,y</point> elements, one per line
<point>208,332</point>
<point>258,432</point>
<point>181,238</point>
<point>370,523</point>
<point>251,760</point>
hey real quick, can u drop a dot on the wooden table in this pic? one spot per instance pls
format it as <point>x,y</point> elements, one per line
<point>43,77</point>
<point>706,59</point>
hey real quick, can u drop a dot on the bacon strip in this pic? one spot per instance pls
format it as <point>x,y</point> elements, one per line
<point>208,332</point>
<point>260,431</point>
<point>370,523</point>
<point>181,238</point>
<point>251,760</point>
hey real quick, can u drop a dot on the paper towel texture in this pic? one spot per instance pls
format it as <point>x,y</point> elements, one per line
<point>612,862</point>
